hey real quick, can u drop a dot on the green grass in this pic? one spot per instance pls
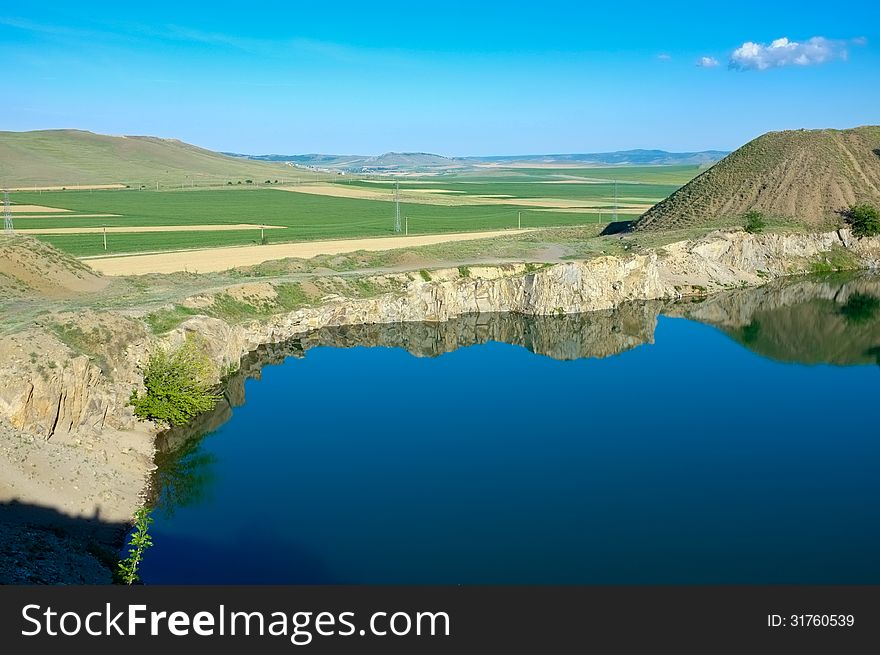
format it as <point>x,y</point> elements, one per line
<point>676,175</point>
<point>291,296</point>
<point>164,320</point>
<point>836,259</point>
<point>307,216</point>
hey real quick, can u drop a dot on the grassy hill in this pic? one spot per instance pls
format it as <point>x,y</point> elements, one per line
<point>76,157</point>
<point>801,176</point>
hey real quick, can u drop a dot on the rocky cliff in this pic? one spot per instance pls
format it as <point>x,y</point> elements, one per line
<point>80,394</point>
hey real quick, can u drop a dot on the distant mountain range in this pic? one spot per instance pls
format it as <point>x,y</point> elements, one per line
<point>428,162</point>
<point>77,157</point>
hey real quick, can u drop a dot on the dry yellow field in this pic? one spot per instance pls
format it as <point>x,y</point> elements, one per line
<point>221,259</point>
<point>71,216</point>
<point>69,187</point>
<point>445,197</point>
<point>629,210</point>
<point>30,209</point>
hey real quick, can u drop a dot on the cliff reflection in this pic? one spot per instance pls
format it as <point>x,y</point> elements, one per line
<point>831,320</point>
<point>578,336</point>
<point>828,320</point>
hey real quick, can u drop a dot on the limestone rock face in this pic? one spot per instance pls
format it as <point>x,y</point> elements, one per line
<point>51,392</point>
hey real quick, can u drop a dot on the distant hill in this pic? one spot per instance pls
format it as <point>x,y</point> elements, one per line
<point>390,162</point>
<point>74,157</point>
<point>398,162</point>
<point>807,176</point>
<point>619,157</point>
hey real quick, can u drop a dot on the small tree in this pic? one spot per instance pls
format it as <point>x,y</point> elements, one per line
<point>140,541</point>
<point>864,219</point>
<point>178,385</point>
<point>754,222</point>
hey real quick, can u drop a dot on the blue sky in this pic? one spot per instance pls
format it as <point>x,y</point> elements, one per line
<point>452,78</point>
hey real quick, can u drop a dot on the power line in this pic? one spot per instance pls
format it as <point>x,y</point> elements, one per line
<point>615,200</point>
<point>7,214</point>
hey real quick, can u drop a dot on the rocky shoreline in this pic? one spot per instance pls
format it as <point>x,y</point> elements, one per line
<point>73,446</point>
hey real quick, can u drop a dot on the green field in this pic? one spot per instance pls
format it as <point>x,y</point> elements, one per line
<point>661,175</point>
<point>634,183</point>
<point>307,216</point>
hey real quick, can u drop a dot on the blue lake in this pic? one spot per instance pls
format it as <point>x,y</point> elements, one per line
<point>732,440</point>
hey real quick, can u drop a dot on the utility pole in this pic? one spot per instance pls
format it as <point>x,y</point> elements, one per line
<point>397,207</point>
<point>519,220</point>
<point>615,200</point>
<point>406,225</point>
<point>105,237</point>
<point>7,214</point>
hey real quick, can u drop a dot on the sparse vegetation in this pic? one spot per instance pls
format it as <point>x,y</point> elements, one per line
<point>291,296</point>
<point>464,271</point>
<point>754,222</point>
<point>864,219</point>
<point>836,259</point>
<point>178,385</point>
<point>85,343</point>
<point>426,276</point>
<point>792,176</point>
<point>363,288</point>
<point>164,320</point>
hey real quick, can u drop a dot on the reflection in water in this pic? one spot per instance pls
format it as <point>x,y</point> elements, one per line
<point>183,477</point>
<point>833,319</point>
<point>579,336</point>
<point>370,465</point>
<point>829,320</point>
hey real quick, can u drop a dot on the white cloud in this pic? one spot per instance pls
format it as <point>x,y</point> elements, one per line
<point>707,62</point>
<point>782,52</point>
<point>664,56</point>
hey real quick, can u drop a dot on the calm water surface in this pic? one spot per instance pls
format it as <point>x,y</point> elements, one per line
<point>732,440</point>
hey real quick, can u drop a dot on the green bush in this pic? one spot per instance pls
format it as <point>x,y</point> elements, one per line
<point>754,222</point>
<point>464,271</point>
<point>425,275</point>
<point>178,385</point>
<point>864,219</point>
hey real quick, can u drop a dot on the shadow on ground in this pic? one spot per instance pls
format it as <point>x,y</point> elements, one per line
<point>40,545</point>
